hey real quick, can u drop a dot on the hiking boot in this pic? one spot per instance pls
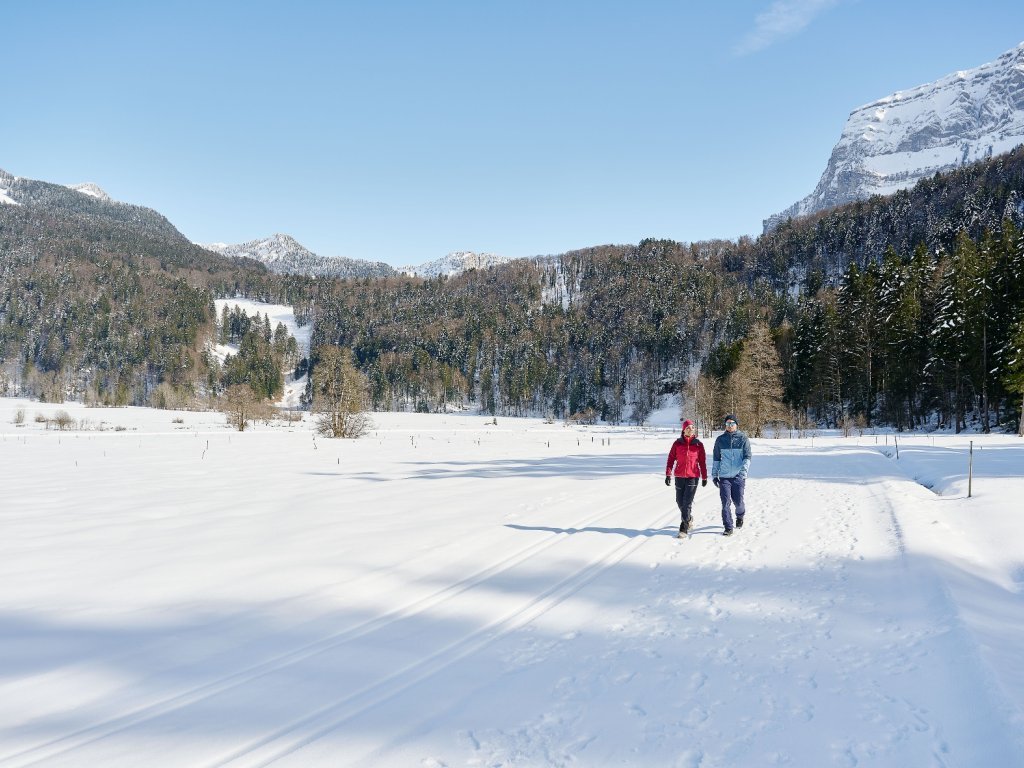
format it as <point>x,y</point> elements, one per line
<point>728,532</point>
<point>739,522</point>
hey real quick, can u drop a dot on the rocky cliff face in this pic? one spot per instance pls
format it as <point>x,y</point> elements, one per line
<point>894,142</point>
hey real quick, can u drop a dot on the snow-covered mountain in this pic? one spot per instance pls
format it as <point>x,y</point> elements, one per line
<point>92,190</point>
<point>63,201</point>
<point>284,254</point>
<point>281,253</point>
<point>455,263</point>
<point>8,193</point>
<point>894,142</point>
<point>6,181</point>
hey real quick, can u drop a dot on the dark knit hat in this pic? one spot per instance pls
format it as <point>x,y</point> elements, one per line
<point>731,417</point>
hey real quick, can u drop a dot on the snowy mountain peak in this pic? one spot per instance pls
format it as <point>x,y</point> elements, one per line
<point>92,190</point>
<point>894,142</point>
<point>6,180</point>
<point>284,254</point>
<point>269,250</point>
<point>455,263</point>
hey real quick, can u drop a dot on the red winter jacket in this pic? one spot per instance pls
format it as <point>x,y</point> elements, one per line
<point>689,458</point>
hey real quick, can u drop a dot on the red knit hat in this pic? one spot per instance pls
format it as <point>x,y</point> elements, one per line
<point>688,423</point>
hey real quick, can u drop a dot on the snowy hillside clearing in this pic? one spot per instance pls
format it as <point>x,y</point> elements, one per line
<point>450,592</point>
<point>278,313</point>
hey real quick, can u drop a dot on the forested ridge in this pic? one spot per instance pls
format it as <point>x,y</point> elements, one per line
<point>605,329</point>
<point>101,302</point>
<point>903,310</point>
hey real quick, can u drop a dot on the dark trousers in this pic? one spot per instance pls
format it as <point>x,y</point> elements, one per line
<point>686,488</point>
<point>731,490</point>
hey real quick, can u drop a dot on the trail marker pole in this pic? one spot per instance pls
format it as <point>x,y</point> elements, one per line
<point>970,468</point>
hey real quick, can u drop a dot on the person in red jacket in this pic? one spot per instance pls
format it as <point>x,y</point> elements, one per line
<point>687,460</point>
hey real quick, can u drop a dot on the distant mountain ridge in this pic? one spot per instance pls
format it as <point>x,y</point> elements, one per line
<point>280,253</point>
<point>893,143</point>
<point>8,180</point>
<point>455,263</point>
<point>92,190</point>
<point>283,254</point>
<point>86,200</point>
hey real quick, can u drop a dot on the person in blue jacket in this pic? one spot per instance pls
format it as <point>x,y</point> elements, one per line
<point>730,461</point>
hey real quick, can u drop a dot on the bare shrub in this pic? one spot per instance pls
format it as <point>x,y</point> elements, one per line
<point>168,397</point>
<point>62,420</point>
<point>586,416</point>
<point>239,404</point>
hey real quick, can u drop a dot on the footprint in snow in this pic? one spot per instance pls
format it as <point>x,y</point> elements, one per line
<point>470,738</point>
<point>805,713</point>
<point>691,758</point>
<point>697,681</point>
<point>696,716</point>
<point>846,757</point>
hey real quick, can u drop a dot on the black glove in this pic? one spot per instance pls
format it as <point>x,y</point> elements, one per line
<point>715,481</point>
<point>668,480</point>
<point>703,482</point>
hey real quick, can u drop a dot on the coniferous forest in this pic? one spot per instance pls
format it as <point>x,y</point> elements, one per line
<point>906,311</point>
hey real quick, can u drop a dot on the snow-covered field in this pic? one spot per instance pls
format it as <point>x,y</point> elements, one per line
<point>450,592</point>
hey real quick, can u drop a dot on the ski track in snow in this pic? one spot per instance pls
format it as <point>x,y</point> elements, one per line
<point>586,635</point>
<point>808,625</point>
<point>198,695</point>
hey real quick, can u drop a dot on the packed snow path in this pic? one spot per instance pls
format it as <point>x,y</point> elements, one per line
<point>444,593</point>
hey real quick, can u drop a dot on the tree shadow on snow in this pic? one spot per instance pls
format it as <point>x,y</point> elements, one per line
<point>221,677</point>
<point>588,466</point>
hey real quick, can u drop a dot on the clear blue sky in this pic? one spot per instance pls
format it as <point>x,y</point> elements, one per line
<point>401,131</point>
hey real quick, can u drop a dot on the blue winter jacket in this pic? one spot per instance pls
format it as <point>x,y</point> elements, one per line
<point>731,457</point>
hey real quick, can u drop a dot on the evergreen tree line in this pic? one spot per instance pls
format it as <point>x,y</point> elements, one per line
<point>108,309</point>
<point>892,309</point>
<point>895,310</point>
<point>915,335</point>
<point>600,332</point>
<point>262,358</point>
